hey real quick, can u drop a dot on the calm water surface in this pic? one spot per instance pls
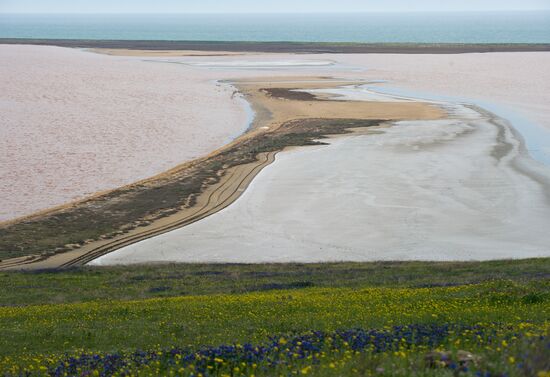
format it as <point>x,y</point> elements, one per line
<point>487,27</point>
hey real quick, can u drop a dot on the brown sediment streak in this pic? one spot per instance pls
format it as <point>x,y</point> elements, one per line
<point>217,180</point>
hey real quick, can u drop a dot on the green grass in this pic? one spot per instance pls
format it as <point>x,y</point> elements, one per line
<point>215,319</point>
<point>48,331</point>
<point>139,282</point>
<point>498,310</point>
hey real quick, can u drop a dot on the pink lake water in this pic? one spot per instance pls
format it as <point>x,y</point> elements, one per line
<point>75,123</point>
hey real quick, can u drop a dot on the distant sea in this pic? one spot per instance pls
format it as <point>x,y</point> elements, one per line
<point>487,27</point>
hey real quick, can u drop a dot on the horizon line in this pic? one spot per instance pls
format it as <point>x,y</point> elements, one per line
<point>276,13</point>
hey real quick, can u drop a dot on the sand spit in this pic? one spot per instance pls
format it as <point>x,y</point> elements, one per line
<point>197,189</point>
<point>271,111</point>
<point>460,188</point>
<point>75,123</point>
<point>501,78</point>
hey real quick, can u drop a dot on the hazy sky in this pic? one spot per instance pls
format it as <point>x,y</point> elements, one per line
<point>262,6</point>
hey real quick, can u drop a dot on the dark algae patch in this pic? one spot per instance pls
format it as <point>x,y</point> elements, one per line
<point>291,94</point>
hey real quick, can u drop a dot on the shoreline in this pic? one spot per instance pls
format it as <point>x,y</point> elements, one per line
<point>285,47</point>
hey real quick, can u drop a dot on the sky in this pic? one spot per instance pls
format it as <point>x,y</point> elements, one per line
<point>262,6</point>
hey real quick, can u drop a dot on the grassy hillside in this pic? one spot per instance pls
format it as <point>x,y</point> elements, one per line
<point>394,319</point>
